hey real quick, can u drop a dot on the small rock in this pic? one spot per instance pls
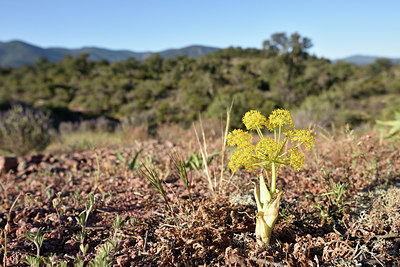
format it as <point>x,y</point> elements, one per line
<point>70,163</point>
<point>133,255</point>
<point>55,169</point>
<point>38,216</point>
<point>123,260</point>
<point>169,144</point>
<point>31,168</point>
<point>8,163</point>
<point>52,159</point>
<point>55,235</point>
<point>140,243</point>
<point>23,229</point>
<point>22,165</point>
<point>52,217</point>
<point>70,245</point>
<point>128,243</point>
<point>35,159</point>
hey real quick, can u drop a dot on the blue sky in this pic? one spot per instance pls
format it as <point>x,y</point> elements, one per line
<point>337,28</point>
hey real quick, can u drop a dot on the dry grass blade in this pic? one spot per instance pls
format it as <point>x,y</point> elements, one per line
<point>225,134</point>
<point>7,229</point>
<point>266,262</point>
<point>203,151</point>
<point>5,187</point>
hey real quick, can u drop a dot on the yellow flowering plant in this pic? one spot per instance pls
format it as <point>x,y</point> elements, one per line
<point>266,157</point>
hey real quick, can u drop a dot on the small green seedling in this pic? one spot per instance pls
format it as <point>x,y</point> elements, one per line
<point>195,161</point>
<point>133,163</point>
<point>82,221</point>
<point>84,215</point>
<point>102,258</point>
<point>333,204</point>
<point>57,202</point>
<point>32,260</point>
<point>117,225</point>
<point>51,261</point>
<point>50,193</point>
<point>114,241</point>
<point>36,235</point>
<point>79,258</point>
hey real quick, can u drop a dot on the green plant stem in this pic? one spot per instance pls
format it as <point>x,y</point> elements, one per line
<point>267,176</point>
<point>259,132</point>
<point>97,176</point>
<point>5,249</point>
<point>37,248</point>
<point>273,179</point>
<point>279,135</point>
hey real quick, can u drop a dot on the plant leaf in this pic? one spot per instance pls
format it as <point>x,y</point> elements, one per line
<point>120,157</point>
<point>132,165</point>
<point>265,195</point>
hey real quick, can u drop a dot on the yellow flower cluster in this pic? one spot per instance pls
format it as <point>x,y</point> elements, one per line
<point>302,136</point>
<point>296,159</point>
<point>243,157</point>
<point>239,138</point>
<point>279,118</point>
<point>253,119</point>
<point>268,150</point>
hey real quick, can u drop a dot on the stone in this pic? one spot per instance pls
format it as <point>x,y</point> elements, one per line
<point>123,260</point>
<point>8,164</point>
<point>35,159</point>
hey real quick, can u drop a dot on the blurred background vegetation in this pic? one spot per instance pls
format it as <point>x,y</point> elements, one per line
<point>79,94</point>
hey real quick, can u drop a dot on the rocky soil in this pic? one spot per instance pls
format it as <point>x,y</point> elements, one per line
<point>342,209</point>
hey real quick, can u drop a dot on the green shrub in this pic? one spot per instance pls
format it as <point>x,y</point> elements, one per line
<point>390,129</point>
<point>23,130</point>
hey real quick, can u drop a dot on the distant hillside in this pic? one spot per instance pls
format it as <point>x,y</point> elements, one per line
<point>365,60</point>
<point>17,53</point>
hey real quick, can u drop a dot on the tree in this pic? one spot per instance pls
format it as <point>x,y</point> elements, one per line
<point>154,65</point>
<point>283,44</point>
<point>292,50</point>
<point>380,65</point>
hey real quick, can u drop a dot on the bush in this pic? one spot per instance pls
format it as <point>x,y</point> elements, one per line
<point>23,130</point>
<point>66,127</point>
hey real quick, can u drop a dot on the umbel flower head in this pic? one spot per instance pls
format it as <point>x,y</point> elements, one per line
<point>254,119</point>
<point>239,138</point>
<point>279,118</point>
<point>283,149</point>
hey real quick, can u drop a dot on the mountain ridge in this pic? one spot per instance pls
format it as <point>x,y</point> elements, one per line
<point>16,53</point>
<point>360,59</point>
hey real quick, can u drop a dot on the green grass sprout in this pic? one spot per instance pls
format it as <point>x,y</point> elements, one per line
<point>150,173</point>
<point>180,168</point>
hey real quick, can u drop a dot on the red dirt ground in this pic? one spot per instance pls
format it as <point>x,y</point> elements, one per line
<point>361,228</point>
